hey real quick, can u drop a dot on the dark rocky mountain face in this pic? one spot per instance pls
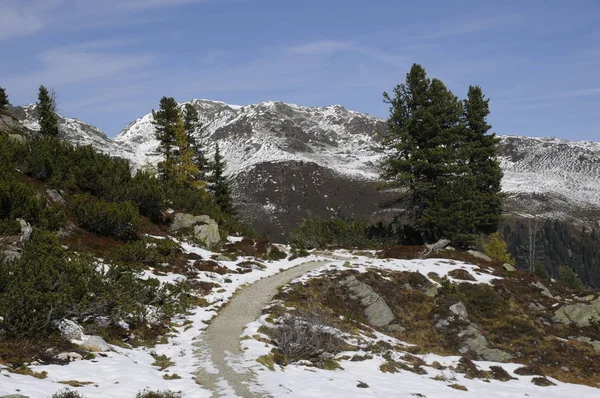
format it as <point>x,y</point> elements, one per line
<point>287,162</point>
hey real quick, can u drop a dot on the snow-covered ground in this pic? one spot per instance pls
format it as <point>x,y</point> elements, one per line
<point>124,372</point>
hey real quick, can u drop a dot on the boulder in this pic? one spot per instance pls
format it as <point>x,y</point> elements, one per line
<point>508,267</point>
<point>14,396</point>
<point>207,233</point>
<point>480,255</point>
<point>377,312</point>
<point>96,344</point>
<point>580,314</point>
<point>204,228</point>
<point>68,356</point>
<point>26,230</point>
<point>71,330</point>
<point>55,196</point>
<point>543,288</point>
<point>459,310</point>
<point>476,342</point>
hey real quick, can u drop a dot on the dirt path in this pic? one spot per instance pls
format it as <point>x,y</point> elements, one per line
<point>222,337</point>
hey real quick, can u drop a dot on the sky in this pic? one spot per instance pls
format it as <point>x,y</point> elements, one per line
<point>111,61</point>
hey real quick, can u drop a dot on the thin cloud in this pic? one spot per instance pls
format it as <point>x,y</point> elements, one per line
<point>586,92</point>
<point>331,47</point>
<point>26,17</point>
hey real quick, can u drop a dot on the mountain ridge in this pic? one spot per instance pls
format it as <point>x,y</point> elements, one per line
<point>287,162</point>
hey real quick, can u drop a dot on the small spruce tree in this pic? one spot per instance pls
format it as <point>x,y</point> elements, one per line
<point>219,185</point>
<point>4,103</point>
<point>46,109</point>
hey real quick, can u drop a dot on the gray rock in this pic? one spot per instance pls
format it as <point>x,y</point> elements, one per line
<point>71,330</point>
<point>536,306</point>
<point>580,314</point>
<point>96,344</point>
<point>509,267</point>
<point>459,310</point>
<point>26,230</point>
<point>205,228</point>
<point>543,288</point>
<point>476,342</point>
<point>432,291</point>
<point>15,396</point>
<point>183,220</point>
<point>595,344</point>
<point>207,233</point>
<point>480,255</point>
<point>395,328</point>
<point>437,246</point>
<point>55,196</point>
<point>377,312</point>
<point>68,356</point>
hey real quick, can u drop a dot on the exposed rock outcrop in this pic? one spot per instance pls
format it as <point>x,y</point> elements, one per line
<point>377,312</point>
<point>580,314</point>
<point>471,338</point>
<point>203,228</point>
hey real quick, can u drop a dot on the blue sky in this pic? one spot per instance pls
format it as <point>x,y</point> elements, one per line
<point>110,61</point>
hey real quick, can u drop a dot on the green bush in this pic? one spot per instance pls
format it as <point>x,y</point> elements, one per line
<point>145,252</point>
<point>157,394</point>
<point>318,233</point>
<point>569,278</point>
<point>497,249</point>
<point>118,219</point>
<point>48,283</point>
<point>66,393</point>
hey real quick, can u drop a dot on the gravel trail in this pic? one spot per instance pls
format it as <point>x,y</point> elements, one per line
<point>222,337</point>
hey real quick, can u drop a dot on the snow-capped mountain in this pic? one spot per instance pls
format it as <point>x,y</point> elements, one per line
<point>72,130</point>
<point>287,162</point>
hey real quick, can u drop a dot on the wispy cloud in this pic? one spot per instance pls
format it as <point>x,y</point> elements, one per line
<point>25,17</point>
<point>474,25</point>
<point>64,66</point>
<point>586,92</point>
<point>331,47</point>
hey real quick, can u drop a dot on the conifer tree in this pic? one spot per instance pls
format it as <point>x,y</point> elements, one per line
<point>4,103</point>
<point>192,125</point>
<point>442,161</point>
<point>219,185</point>
<point>482,153</point>
<point>46,109</point>
<point>165,122</point>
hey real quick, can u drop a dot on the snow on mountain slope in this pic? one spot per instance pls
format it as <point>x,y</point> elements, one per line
<point>275,132</point>
<point>72,130</point>
<point>550,165</point>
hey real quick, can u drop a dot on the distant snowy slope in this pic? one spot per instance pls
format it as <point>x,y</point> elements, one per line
<point>73,131</point>
<point>331,137</point>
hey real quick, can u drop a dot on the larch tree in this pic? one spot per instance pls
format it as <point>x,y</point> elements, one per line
<point>46,110</point>
<point>165,122</point>
<point>192,125</point>
<point>186,170</point>
<point>219,184</point>
<point>438,146</point>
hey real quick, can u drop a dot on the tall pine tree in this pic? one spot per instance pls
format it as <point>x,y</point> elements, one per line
<point>219,185</point>
<point>165,123</point>
<point>482,154</point>
<point>192,125</point>
<point>186,169</point>
<point>4,103</point>
<point>442,161</point>
<point>46,109</point>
